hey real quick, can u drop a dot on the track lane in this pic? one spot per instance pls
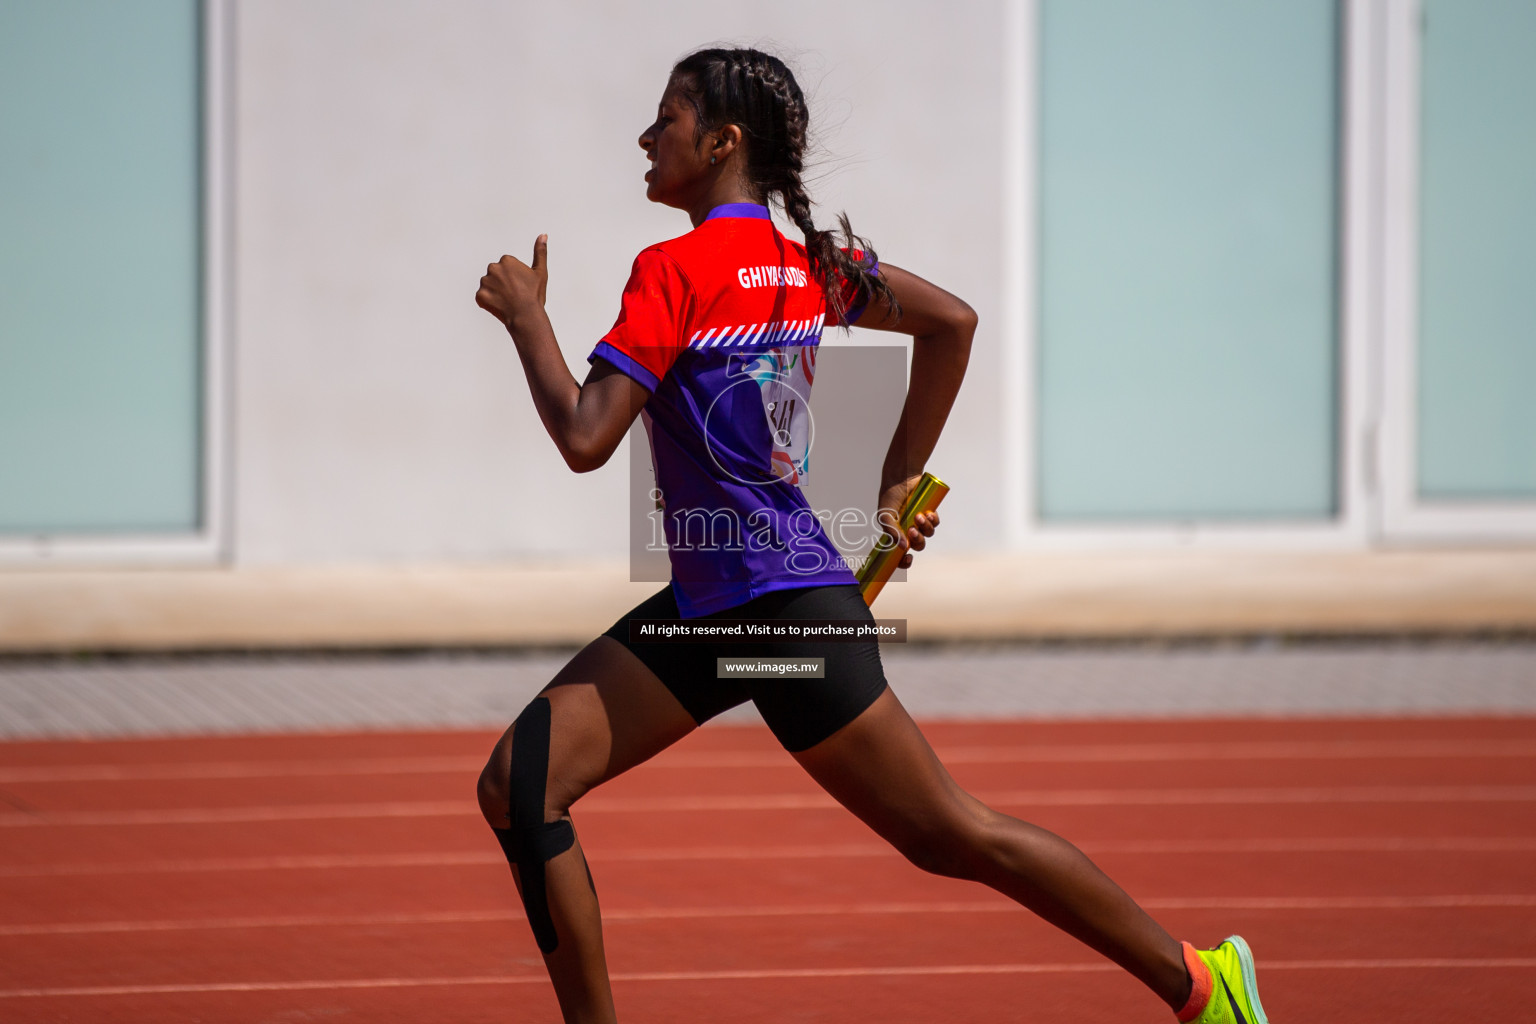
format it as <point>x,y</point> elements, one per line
<point>733,942</point>
<point>1326,887</point>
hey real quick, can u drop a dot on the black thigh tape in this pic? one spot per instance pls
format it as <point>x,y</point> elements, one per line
<point>531,841</point>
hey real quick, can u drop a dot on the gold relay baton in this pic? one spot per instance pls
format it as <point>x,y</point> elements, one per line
<point>877,568</point>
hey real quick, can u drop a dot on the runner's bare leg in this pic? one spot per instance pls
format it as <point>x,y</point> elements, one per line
<point>608,713</point>
<point>882,769</point>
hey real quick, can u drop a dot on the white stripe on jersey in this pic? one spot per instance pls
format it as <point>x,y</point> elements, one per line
<point>777,332</point>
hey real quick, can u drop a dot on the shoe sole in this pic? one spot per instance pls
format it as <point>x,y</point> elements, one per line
<point>1250,978</point>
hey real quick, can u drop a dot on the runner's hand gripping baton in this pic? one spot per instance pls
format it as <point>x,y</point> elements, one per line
<point>877,568</point>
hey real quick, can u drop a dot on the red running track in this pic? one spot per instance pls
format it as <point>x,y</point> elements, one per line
<point>1382,870</point>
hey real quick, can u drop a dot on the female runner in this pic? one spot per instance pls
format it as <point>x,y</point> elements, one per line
<point>714,327</point>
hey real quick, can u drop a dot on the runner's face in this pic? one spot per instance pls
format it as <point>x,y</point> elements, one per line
<point>679,156</point>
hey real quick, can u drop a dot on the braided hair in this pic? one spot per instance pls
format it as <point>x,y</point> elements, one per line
<point>758,93</point>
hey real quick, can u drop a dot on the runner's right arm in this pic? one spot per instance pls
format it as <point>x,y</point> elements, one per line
<point>586,421</point>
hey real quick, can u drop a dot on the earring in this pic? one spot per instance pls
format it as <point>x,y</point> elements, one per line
<point>711,159</point>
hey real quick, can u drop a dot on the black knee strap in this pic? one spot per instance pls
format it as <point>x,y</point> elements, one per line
<point>531,840</point>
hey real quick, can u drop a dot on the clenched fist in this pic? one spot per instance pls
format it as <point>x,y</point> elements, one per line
<point>892,498</point>
<point>512,288</point>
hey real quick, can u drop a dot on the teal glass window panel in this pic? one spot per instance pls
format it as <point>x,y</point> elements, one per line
<point>1187,364</point>
<point>100,256</point>
<point>1477,314</point>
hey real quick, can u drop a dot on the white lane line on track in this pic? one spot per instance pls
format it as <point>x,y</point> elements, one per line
<point>1275,750</point>
<point>200,770</point>
<point>1447,963</point>
<point>600,804</point>
<point>458,858</point>
<point>643,914</point>
<point>1346,750</point>
<point>1101,797</point>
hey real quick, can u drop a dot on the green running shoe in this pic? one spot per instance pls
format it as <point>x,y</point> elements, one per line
<point>1234,988</point>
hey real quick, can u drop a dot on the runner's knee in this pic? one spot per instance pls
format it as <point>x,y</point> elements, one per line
<point>504,774</point>
<point>952,843</point>
<point>530,831</point>
<point>491,789</point>
<point>935,854</point>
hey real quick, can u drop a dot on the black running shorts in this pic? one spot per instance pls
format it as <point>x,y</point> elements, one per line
<point>801,712</point>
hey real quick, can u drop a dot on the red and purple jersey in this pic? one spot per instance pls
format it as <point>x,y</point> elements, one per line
<point>721,326</point>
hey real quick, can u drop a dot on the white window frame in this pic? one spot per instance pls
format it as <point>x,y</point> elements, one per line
<point>209,543</point>
<point>1360,162</point>
<point>1405,516</point>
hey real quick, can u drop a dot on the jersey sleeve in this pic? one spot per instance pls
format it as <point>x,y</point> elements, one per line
<point>854,304</point>
<point>648,336</point>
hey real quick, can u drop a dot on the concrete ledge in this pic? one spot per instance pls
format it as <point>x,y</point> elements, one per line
<point>997,597</point>
<point>1200,594</point>
<point>349,607</point>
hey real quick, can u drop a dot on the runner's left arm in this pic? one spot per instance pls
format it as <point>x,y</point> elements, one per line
<point>942,326</point>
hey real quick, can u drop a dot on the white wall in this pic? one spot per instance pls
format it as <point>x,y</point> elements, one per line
<point>386,151</point>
